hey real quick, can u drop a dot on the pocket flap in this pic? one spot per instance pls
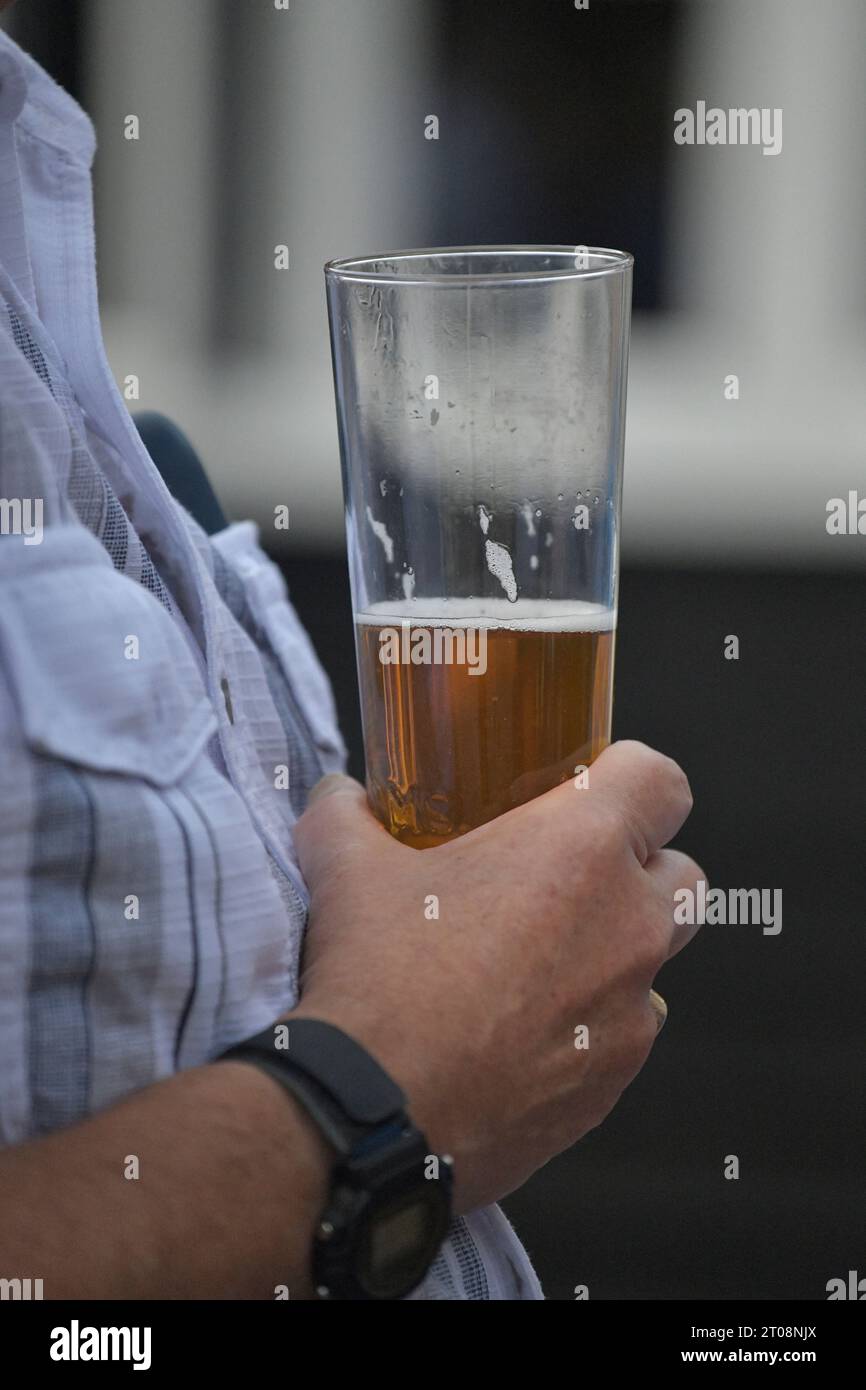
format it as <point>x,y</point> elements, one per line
<point>101,674</point>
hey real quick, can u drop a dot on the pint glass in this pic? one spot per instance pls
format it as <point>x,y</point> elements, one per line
<point>480,405</point>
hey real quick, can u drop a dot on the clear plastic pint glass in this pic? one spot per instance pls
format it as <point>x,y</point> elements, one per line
<point>480,403</point>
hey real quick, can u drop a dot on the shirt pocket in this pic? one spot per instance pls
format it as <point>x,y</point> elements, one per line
<point>102,676</point>
<point>156,932</point>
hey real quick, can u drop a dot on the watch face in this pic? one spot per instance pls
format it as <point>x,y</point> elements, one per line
<point>400,1240</point>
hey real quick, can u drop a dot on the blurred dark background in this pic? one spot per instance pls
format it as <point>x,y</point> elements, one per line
<point>557,127</point>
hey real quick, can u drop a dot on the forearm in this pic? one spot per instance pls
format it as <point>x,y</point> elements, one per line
<point>231,1179</point>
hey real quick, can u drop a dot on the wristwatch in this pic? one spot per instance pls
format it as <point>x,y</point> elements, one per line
<point>389,1205</point>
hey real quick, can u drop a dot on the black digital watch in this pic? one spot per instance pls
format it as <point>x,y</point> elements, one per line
<point>389,1206</point>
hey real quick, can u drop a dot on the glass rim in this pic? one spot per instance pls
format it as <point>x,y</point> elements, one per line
<point>358,269</point>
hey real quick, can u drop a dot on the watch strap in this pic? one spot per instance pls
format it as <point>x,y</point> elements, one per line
<point>342,1087</point>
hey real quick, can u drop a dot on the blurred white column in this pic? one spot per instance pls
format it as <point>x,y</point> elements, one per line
<point>340,113</point>
<point>154,61</point>
<point>768,284</point>
<point>767,240</point>
<point>346,84</point>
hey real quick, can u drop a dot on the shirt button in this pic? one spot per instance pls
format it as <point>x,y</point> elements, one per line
<point>227,696</point>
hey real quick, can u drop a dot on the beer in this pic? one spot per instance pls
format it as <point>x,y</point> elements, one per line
<point>473,707</point>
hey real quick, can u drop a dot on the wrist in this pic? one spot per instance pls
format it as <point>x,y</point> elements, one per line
<point>405,1065</point>
<point>389,1201</point>
<point>290,1123</point>
<point>284,1131</point>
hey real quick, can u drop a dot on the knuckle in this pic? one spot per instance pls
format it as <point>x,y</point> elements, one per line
<point>663,772</point>
<point>609,825</point>
<point>675,781</point>
<point>649,948</point>
<point>633,747</point>
<point>688,873</point>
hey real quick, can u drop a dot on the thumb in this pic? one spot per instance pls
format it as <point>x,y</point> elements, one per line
<point>337,822</point>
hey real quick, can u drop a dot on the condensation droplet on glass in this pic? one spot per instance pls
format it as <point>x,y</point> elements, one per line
<point>500,566</point>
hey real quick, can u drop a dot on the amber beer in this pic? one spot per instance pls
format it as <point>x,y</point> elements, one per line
<point>468,714</point>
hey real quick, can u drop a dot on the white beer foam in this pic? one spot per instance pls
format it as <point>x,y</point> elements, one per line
<point>526,615</point>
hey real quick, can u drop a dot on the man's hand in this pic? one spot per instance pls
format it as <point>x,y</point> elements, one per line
<point>467,969</point>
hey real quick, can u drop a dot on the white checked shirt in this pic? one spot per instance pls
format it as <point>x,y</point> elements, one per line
<point>156,693</point>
